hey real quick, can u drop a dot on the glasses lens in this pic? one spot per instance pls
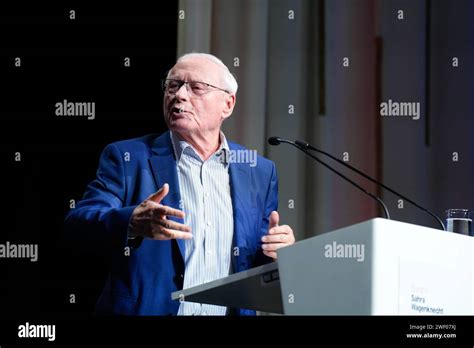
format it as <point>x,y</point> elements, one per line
<point>198,88</point>
<point>172,86</point>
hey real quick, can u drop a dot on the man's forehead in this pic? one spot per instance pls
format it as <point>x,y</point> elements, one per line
<point>196,68</point>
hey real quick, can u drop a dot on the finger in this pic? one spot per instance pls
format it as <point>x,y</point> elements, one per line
<point>280,229</point>
<point>273,219</point>
<point>271,254</point>
<point>160,194</point>
<point>173,234</point>
<point>166,233</point>
<point>160,210</point>
<point>276,238</point>
<point>273,246</point>
<point>173,225</point>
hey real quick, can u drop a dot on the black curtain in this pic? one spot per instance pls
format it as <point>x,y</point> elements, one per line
<point>73,52</point>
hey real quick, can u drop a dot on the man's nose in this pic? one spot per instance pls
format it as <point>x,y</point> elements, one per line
<point>182,92</point>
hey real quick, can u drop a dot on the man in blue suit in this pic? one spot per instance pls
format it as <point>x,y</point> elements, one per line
<point>183,208</point>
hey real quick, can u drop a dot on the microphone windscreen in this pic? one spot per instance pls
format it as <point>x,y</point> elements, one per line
<point>274,141</point>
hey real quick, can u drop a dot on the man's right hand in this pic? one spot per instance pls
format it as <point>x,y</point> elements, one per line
<point>149,219</point>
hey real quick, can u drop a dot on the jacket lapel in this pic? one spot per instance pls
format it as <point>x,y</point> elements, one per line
<point>164,169</point>
<point>240,190</point>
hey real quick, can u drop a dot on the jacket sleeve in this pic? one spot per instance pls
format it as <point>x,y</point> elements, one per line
<point>100,219</point>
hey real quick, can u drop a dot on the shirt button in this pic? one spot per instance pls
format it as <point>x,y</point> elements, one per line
<point>207,194</point>
<point>209,223</point>
<point>204,313</point>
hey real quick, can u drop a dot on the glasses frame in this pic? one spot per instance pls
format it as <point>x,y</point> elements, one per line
<point>182,82</point>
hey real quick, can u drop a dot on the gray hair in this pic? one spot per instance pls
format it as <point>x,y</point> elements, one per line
<point>228,79</point>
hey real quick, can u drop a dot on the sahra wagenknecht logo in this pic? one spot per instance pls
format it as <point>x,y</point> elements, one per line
<point>81,109</point>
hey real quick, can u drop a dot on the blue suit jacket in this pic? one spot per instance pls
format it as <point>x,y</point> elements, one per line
<point>129,171</point>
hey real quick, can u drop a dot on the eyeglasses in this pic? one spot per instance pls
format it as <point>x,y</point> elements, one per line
<point>195,88</point>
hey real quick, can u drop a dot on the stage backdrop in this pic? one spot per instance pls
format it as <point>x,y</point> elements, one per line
<point>321,71</point>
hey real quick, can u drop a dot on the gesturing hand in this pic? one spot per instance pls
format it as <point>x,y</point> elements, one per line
<point>149,219</point>
<point>277,237</point>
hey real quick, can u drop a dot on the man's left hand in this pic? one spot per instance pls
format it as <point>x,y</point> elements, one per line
<point>277,237</point>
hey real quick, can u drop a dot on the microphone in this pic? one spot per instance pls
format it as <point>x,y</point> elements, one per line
<point>307,146</point>
<point>275,141</point>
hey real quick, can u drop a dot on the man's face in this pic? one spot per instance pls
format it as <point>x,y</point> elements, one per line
<point>200,114</point>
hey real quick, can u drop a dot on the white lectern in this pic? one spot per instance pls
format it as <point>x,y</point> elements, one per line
<point>377,267</point>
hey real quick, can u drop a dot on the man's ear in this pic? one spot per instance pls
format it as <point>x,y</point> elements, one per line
<point>229,106</point>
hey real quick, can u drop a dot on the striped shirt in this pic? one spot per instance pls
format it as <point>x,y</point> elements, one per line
<point>206,201</point>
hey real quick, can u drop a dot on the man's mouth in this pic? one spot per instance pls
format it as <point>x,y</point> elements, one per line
<point>176,110</point>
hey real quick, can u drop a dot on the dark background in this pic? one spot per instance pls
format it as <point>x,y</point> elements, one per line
<point>78,60</point>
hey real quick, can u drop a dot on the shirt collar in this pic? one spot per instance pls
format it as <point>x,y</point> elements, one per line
<point>179,145</point>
